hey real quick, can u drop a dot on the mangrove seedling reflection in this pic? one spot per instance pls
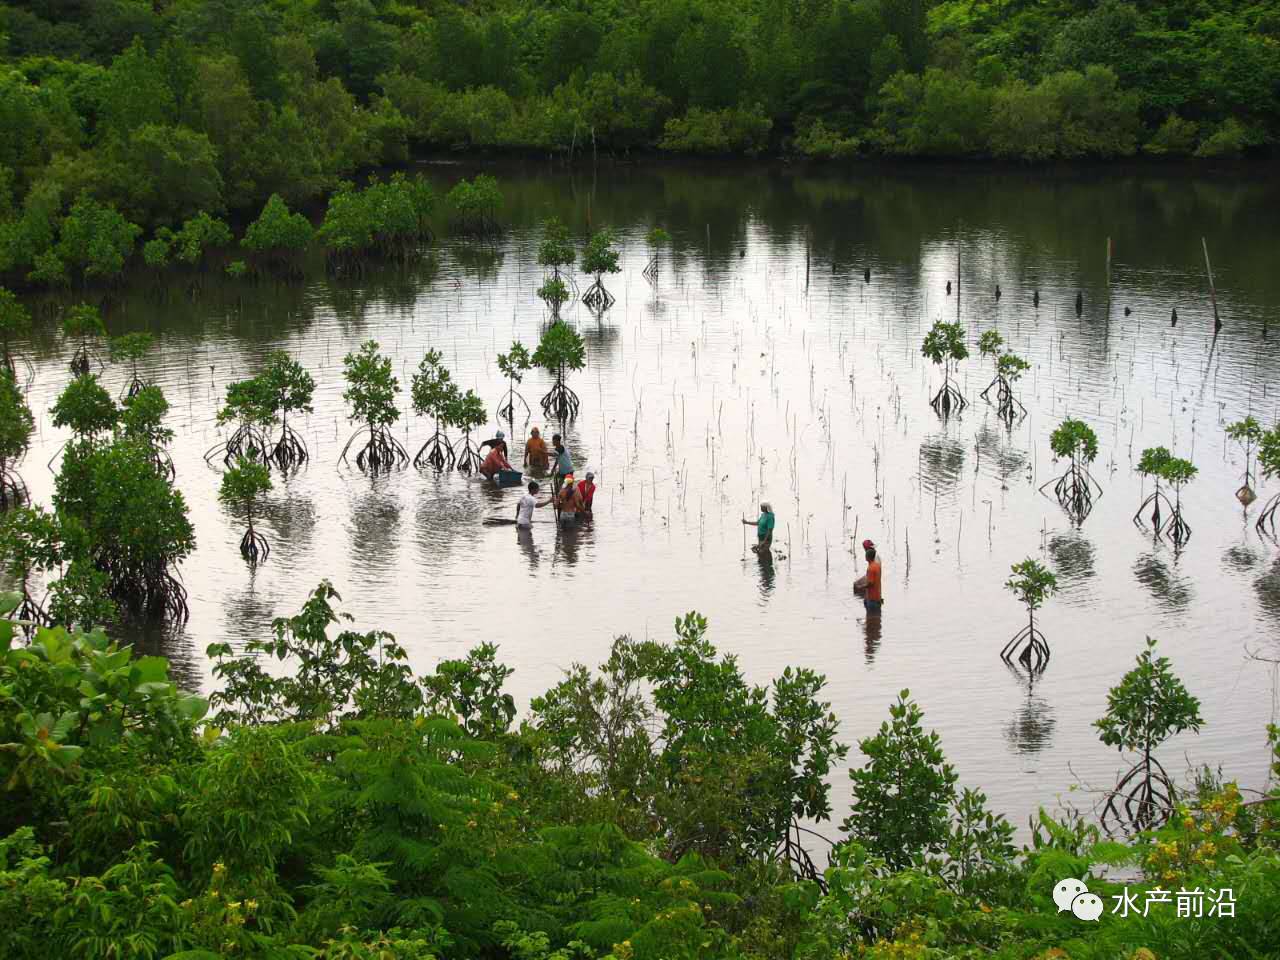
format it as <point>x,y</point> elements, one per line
<point>1031,583</point>
<point>1147,707</point>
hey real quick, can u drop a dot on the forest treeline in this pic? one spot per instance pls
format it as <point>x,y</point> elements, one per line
<point>163,110</point>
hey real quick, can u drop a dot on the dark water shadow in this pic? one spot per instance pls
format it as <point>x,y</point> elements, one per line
<point>1169,588</point>
<point>1072,557</point>
<point>1030,730</point>
<point>941,463</point>
<point>373,526</point>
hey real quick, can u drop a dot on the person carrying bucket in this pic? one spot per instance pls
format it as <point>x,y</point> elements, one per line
<point>495,461</point>
<point>764,530</point>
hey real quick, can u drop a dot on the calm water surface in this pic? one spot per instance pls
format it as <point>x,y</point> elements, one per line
<point>751,370</point>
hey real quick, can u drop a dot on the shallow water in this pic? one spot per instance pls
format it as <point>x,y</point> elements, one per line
<point>753,370</point>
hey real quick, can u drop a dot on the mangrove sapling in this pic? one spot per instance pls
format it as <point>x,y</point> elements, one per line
<point>131,347</point>
<point>514,364</point>
<point>1147,707</point>
<point>131,520</point>
<point>278,239</point>
<point>473,206</point>
<point>1269,466</point>
<point>1032,583</point>
<point>555,251</point>
<point>1248,434</point>
<point>16,426</point>
<point>944,345</point>
<point>142,419</point>
<point>248,407</point>
<point>432,393</point>
<point>1009,370</point>
<point>598,258</point>
<point>371,393</point>
<point>657,239</point>
<point>15,320</point>
<point>466,411</point>
<point>82,323</point>
<point>1151,464</point>
<point>29,544</point>
<point>1076,489</point>
<point>990,344</point>
<point>1176,472</point>
<point>286,388</point>
<point>86,409</point>
<point>241,488</point>
<point>560,350</point>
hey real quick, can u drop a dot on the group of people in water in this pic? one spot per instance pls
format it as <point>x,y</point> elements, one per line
<point>868,585</point>
<point>573,499</point>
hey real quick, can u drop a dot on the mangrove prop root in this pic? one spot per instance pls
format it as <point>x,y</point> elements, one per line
<point>1153,504</point>
<point>1034,655</point>
<point>135,387</point>
<point>1178,528</point>
<point>597,297</point>
<point>1267,518</point>
<point>382,452</point>
<point>1008,407</point>
<point>948,399</point>
<point>289,451</point>
<point>163,463</point>
<point>1143,799</point>
<point>1075,491</point>
<point>150,590</point>
<point>247,441</point>
<point>468,455</point>
<point>650,271</point>
<point>13,491</point>
<point>560,403</point>
<point>254,547</point>
<point>436,453</point>
<point>507,411</point>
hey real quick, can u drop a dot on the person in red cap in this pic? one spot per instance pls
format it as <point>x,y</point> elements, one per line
<point>873,600</point>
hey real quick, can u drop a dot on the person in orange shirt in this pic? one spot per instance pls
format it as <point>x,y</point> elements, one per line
<point>873,600</point>
<point>535,452</point>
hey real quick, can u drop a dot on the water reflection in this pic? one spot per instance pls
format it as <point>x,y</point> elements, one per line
<point>524,537</point>
<point>373,526</point>
<point>1166,585</point>
<point>997,457</point>
<point>246,614</point>
<point>1031,729</point>
<point>1072,556</point>
<point>1241,557</point>
<point>871,626</point>
<point>941,462</point>
<point>764,564</point>
<point>1267,588</point>
<point>291,518</point>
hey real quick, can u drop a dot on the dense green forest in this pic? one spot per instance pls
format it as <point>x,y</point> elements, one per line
<point>159,111</point>
<point>326,802</point>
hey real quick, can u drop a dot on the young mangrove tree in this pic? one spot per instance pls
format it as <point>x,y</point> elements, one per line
<point>371,395</point>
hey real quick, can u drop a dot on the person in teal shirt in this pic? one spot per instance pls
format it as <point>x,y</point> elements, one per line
<point>764,530</point>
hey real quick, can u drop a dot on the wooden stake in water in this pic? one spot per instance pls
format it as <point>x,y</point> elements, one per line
<point>1213,289</point>
<point>1108,278</point>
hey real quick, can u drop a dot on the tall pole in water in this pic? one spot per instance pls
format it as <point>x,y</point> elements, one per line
<point>1108,278</point>
<point>957,273</point>
<point>1213,290</point>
